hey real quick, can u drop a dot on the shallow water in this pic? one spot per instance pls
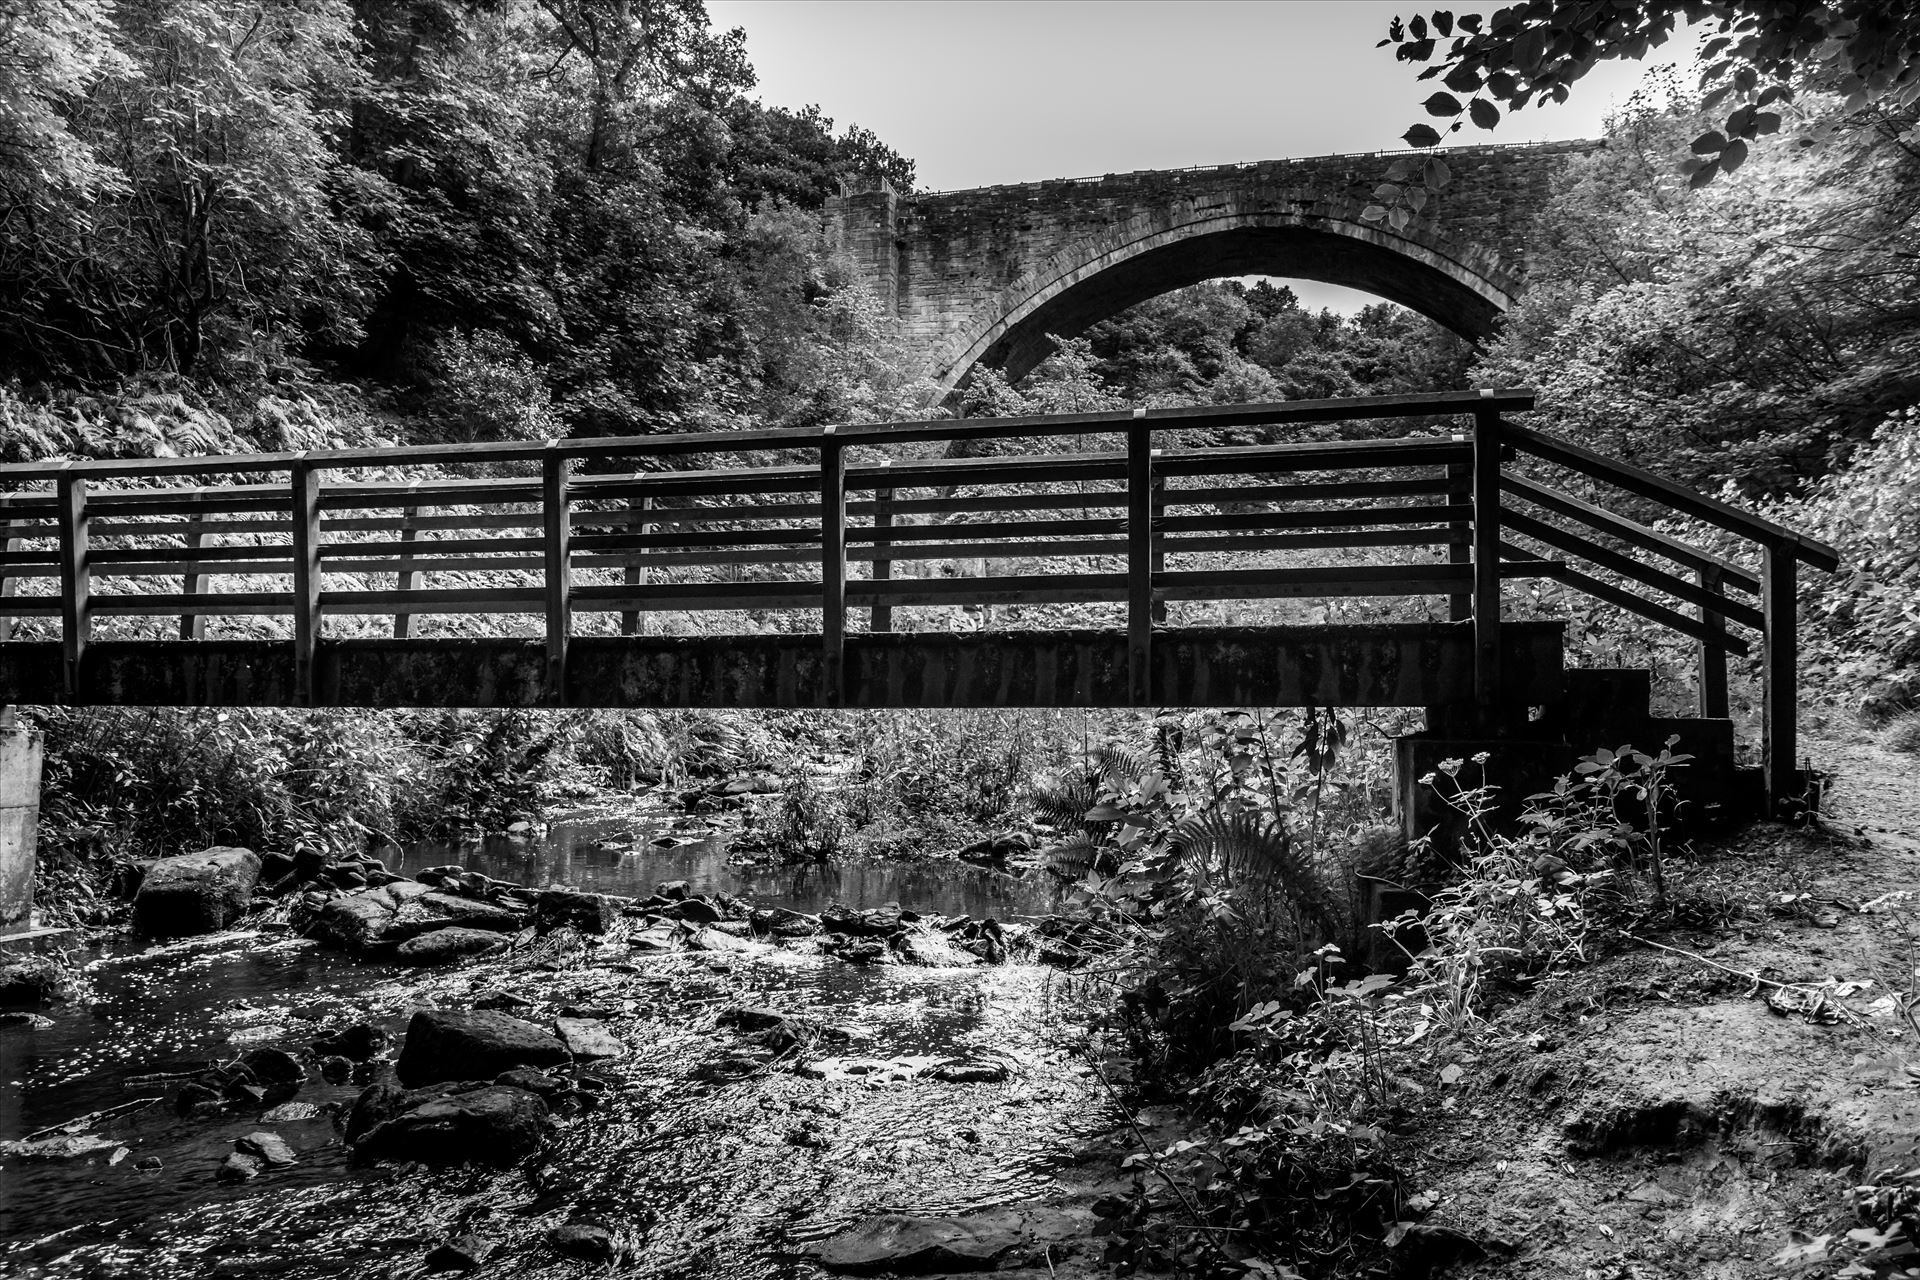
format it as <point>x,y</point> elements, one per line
<point>625,853</point>
<point>704,1175</point>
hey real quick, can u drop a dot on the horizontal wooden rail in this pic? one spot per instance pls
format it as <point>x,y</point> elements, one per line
<point>1677,496</point>
<point>856,517</point>
<point>1629,531</point>
<point>932,430</point>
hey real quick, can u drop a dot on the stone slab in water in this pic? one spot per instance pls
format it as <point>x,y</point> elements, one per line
<point>495,1124</point>
<point>898,1244</point>
<point>586,1038</point>
<point>34,984</point>
<point>446,946</point>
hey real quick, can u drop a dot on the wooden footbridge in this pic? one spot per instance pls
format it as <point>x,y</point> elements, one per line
<point>1138,572</point>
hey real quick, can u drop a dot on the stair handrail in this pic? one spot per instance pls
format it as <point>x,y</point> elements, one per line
<point>1783,550</point>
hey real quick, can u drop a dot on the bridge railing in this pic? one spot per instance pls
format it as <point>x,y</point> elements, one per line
<point>282,542</point>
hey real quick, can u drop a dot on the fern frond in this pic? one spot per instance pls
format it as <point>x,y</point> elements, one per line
<point>1253,849</point>
<point>1062,802</point>
<point>1073,858</point>
<point>1118,764</point>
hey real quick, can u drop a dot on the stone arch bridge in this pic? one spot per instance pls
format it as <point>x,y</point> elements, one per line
<point>984,276</point>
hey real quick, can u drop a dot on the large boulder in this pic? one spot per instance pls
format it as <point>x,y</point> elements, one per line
<point>355,922</point>
<point>195,892</point>
<point>34,984</point>
<point>448,1044</point>
<point>449,946</point>
<point>357,1042</point>
<point>587,1039</point>
<point>494,1124</point>
<point>277,1072</point>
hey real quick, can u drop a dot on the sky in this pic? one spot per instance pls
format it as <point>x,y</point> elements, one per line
<point>980,92</point>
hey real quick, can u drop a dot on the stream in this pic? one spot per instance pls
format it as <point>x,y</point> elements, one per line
<point>707,1177</point>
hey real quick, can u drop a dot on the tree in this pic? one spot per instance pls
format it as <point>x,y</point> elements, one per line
<point>1758,53</point>
<point>51,52</point>
<point>637,50</point>
<point>1756,329</point>
<point>227,207</point>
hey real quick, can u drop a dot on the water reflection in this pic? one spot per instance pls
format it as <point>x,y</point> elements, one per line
<point>618,855</point>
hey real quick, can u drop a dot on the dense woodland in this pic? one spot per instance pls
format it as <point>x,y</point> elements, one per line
<point>305,223</point>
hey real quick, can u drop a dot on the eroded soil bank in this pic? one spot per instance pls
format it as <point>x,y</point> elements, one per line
<point>1704,1108</point>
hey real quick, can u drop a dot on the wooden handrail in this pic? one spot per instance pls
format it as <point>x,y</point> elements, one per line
<point>1602,590</point>
<point>1634,479</point>
<point>569,541</point>
<point>925,431</point>
<point>1630,531</point>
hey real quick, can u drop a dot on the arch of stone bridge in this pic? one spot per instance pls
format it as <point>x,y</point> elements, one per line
<point>1460,286</point>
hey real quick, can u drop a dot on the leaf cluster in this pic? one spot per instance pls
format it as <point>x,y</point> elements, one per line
<point>1756,56</point>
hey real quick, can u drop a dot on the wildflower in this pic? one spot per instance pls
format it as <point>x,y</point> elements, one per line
<point>1451,767</point>
<point>1481,757</point>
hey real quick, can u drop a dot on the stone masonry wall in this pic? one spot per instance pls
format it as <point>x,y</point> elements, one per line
<point>945,262</point>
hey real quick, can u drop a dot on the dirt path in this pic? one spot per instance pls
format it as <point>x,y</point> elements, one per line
<point>1874,790</point>
<point>1692,1112</point>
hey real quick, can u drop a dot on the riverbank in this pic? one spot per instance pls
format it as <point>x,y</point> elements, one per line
<point>808,1080</point>
<point>707,1150</point>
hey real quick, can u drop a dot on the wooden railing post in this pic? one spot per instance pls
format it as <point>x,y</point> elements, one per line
<point>634,572</point>
<point>9,584</point>
<point>193,626</point>
<point>555,468</point>
<point>1486,559</point>
<point>1139,561</point>
<point>1711,653</point>
<point>305,509</point>
<point>1159,544</point>
<point>76,587</point>
<point>833,572</point>
<point>1459,534</point>
<point>406,577</point>
<point>1780,729</point>
<point>881,567</point>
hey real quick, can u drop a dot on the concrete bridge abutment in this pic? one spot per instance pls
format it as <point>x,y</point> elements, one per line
<point>21,752</point>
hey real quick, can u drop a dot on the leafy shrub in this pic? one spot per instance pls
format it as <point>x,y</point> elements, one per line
<point>1869,613</point>
<point>141,782</point>
<point>122,783</point>
<point>488,389</point>
<point>486,770</point>
<point>906,783</point>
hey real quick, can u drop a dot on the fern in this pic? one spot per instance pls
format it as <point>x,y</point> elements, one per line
<point>1118,764</point>
<point>1073,858</point>
<point>1062,801</point>
<point>1252,849</point>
